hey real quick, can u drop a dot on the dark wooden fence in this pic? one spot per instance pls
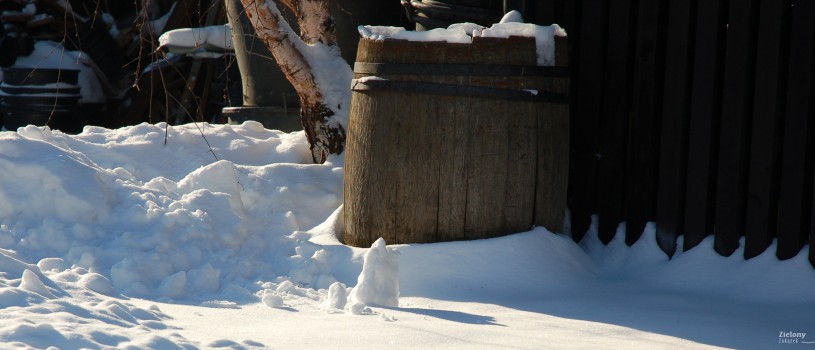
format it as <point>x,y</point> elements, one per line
<point>697,115</point>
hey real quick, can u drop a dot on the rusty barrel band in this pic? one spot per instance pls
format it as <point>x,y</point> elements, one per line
<point>461,69</point>
<point>458,90</point>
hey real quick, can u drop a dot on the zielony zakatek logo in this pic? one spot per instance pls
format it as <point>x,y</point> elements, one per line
<point>794,338</point>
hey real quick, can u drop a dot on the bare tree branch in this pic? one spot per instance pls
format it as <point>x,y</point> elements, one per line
<point>293,5</point>
<point>316,23</point>
<point>282,43</point>
<point>317,27</point>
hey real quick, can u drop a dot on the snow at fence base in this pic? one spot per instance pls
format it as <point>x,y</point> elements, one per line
<point>116,239</point>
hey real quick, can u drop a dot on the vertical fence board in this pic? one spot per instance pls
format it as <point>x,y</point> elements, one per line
<point>589,91</point>
<point>812,216</point>
<point>717,133</point>
<point>796,164</point>
<point>703,128</point>
<point>616,105</point>
<point>768,110</point>
<point>672,157</point>
<point>643,122</point>
<point>566,15</point>
<point>812,223</point>
<point>736,111</point>
<point>544,11</point>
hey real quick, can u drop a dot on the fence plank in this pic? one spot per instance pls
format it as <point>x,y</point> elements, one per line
<point>566,15</point>
<point>703,128</point>
<point>616,105</point>
<point>643,121</point>
<point>672,158</point>
<point>736,111</point>
<point>544,11</point>
<point>796,163</point>
<point>582,180</point>
<point>812,223</point>
<point>768,109</point>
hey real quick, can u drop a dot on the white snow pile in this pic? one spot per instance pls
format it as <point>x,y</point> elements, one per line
<point>144,237</point>
<point>378,284</point>
<point>463,33</point>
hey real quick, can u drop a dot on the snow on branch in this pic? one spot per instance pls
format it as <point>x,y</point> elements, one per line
<point>312,63</point>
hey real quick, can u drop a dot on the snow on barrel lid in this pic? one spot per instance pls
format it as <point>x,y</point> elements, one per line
<point>463,33</point>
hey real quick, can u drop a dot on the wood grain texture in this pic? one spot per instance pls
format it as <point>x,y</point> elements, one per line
<point>425,167</point>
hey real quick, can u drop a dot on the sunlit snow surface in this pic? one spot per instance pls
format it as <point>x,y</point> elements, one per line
<point>219,236</point>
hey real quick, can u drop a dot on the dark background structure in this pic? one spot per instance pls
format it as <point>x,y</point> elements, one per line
<point>696,115</point>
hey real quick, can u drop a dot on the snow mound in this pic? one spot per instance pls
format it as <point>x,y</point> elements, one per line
<point>32,283</point>
<point>378,284</point>
<point>179,220</point>
<point>272,300</point>
<point>337,296</point>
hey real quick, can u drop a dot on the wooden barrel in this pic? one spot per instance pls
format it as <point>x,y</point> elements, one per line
<point>455,141</point>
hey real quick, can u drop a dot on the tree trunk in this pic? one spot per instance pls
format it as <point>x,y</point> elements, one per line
<point>325,135</point>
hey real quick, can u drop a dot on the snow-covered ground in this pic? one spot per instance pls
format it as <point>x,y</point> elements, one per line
<point>133,238</point>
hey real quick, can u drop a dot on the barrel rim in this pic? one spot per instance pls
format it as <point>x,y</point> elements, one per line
<point>461,69</point>
<point>360,85</point>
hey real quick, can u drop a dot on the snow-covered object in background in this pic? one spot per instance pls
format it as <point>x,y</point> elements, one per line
<point>463,33</point>
<point>156,26</point>
<point>30,9</point>
<point>48,54</point>
<point>186,40</point>
<point>454,35</point>
<point>378,284</point>
<point>113,30</point>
